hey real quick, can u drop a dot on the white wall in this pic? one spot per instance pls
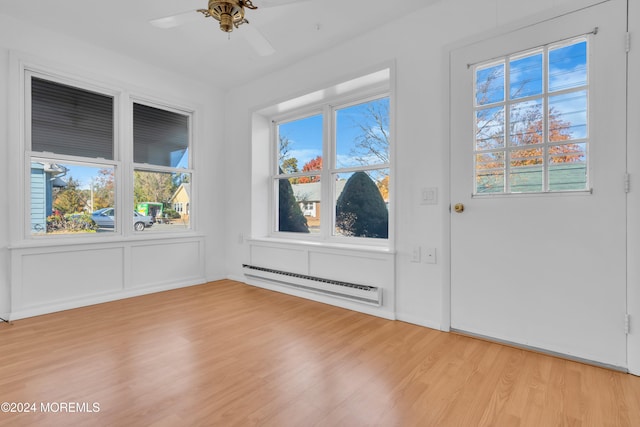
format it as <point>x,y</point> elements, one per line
<point>4,188</point>
<point>418,45</point>
<point>74,274</point>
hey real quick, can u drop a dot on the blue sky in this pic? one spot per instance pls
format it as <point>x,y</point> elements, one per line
<point>567,70</point>
<point>84,174</point>
<point>306,135</point>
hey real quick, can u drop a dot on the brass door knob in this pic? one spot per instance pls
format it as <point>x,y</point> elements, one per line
<point>458,207</point>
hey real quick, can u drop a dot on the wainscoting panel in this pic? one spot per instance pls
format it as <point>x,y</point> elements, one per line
<point>158,264</point>
<point>292,259</point>
<point>50,278</point>
<point>361,279</point>
<point>58,276</point>
<point>363,269</point>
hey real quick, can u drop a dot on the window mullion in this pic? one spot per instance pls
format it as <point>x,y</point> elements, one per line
<point>328,187</point>
<point>545,120</point>
<point>507,127</point>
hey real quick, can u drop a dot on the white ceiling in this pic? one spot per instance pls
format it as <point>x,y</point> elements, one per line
<point>198,49</point>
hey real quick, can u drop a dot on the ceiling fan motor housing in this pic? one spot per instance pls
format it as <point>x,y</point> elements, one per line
<point>230,13</point>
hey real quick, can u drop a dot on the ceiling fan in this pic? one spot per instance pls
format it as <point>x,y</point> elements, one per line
<point>230,14</point>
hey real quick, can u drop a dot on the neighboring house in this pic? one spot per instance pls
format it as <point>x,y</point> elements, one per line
<point>44,177</point>
<point>308,196</point>
<point>181,199</point>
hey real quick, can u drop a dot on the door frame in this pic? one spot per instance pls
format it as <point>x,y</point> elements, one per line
<point>633,197</point>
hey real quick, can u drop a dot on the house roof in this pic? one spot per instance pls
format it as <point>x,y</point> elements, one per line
<point>186,186</point>
<point>311,192</point>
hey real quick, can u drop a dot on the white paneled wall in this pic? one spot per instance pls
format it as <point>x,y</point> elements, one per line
<point>353,265</point>
<point>46,279</point>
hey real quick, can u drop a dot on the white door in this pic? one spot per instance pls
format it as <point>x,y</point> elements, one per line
<point>538,158</point>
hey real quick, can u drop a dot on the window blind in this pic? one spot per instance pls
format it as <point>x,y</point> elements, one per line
<point>71,121</point>
<point>160,137</point>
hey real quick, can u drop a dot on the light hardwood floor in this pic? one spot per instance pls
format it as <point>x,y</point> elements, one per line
<point>228,354</point>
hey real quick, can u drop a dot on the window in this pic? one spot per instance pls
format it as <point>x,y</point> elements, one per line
<point>346,196</point>
<point>299,181</point>
<point>161,165</point>
<point>72,156</point>
<point>77,162</point>
<point>531,121</point>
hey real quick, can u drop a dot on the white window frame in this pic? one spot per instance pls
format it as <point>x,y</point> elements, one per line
<point>146,167</point>
<point>37,156</point>
<point>328,109</point>
<point>545,95</point>
<point>122,161</point>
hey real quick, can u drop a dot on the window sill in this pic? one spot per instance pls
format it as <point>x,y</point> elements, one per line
<point>558,193</point>
<point>63,241</point>
<point>321,245</point>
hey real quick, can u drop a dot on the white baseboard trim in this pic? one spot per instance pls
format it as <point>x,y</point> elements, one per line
<point>95,299</point>
<point>419,322</point>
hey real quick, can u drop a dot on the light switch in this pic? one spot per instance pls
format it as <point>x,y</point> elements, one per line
<point>416,254</point>
<point>429,196</point>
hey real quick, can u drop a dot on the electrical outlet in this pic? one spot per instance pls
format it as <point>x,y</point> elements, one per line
<point>430,255</point>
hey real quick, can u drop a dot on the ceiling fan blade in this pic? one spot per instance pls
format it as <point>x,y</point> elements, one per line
<point>175,20</point>
<point>274,3</point>
<point>257,40</point>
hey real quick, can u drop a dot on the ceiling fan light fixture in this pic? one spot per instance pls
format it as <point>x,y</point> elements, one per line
<point>226,22</point>
<point>230,13</point>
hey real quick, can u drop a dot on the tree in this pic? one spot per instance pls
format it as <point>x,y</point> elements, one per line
<point>312,165</point>
<point>71,199</point>
<point>526,130</point>
<point>103,189</point>
<point>289,165</point>
<point>360,209</point>
<point>373,141</point>
<point>383,187</point>
<point>290,217</point>
<point>284,147</point>
<point>152,186</point>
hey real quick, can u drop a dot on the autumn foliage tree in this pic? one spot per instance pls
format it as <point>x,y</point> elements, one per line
<point>103,189</point>
<point>314,164</point>
<point>527,132</point>
<point>525,136</point>
<point>70,199</point>
<point>383,186</point>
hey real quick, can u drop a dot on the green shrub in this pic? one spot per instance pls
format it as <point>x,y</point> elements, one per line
<point>71,223</point>
<point>290,216</point>
<point>361,210</point>
<point>171,214</point>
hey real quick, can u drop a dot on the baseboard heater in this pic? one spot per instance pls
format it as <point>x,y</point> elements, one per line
<point>352,291</point>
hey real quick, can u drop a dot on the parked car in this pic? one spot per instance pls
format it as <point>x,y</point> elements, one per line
<point>105,219</point>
